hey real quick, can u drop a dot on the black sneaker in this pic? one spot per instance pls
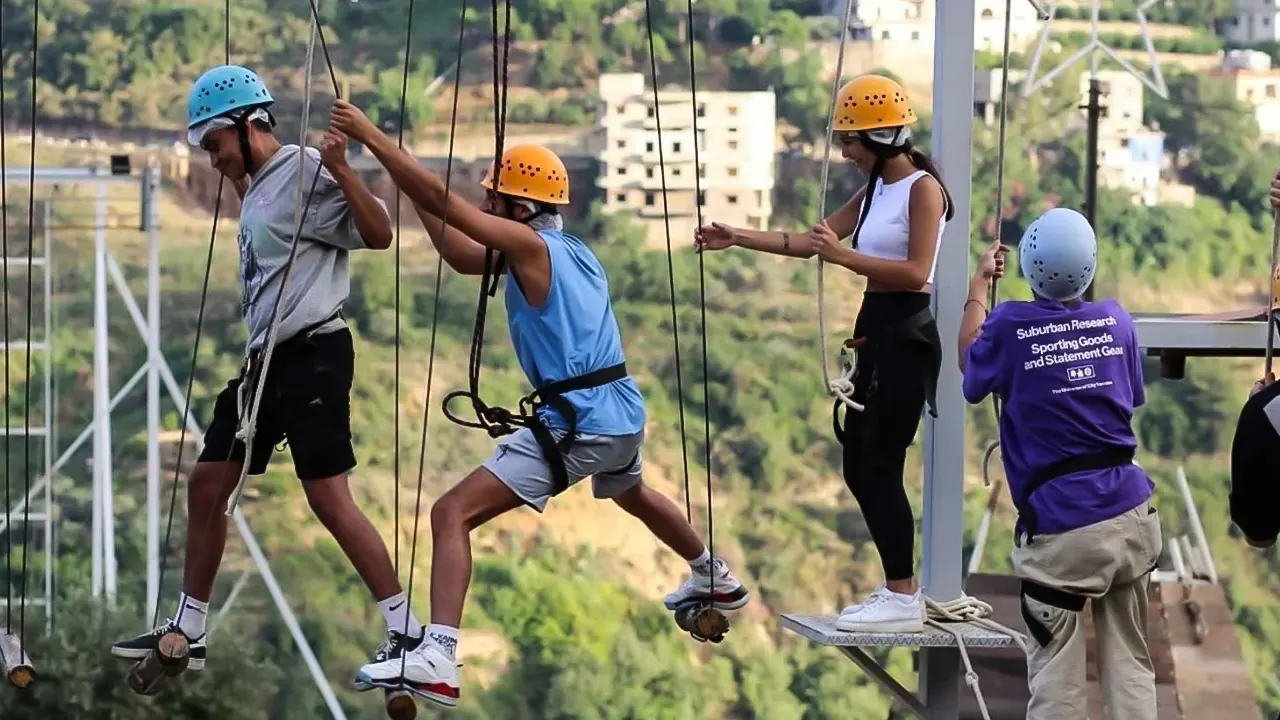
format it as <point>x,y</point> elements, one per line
<point>139,647</point>
<point>395,646</point>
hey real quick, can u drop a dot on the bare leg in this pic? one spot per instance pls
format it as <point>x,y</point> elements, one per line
<point>210,486</point>
<point>479,498</point>
<point>331,501</point>
<point>663,518</point>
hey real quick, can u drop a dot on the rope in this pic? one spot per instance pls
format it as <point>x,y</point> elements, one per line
<point>1271,304</point>
<point>26,400</point>
<point>1000,154</point>
<point>972,611</point>
<point>671,272</point>
<point>842,387</point>
<point>195,354</point>
<point>435,317</point>
<point>4,247</point>
<point>404,94</point>
<point>249,424</point>
<point>702,303</point>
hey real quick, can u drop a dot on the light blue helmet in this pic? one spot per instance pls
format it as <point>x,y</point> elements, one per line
<point>223,90</point>
<point>1058,255</point>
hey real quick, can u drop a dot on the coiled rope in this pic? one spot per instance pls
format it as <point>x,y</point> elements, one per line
<point>971,611</point>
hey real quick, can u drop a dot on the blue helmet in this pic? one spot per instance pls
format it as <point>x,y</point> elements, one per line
<point>1058,255</point>
<point>223,90</point>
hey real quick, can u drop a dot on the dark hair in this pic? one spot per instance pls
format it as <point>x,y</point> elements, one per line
<point>925,163</point>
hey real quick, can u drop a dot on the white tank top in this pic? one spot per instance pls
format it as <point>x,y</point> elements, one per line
<point>886,228</point>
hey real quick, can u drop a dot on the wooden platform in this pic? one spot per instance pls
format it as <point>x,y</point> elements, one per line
<point>822,630</point>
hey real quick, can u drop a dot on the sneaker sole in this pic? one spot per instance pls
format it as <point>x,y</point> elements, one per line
<point>194,664</point>
<point>898,626</point>
<point>720,601</point>
<point>426,693</point>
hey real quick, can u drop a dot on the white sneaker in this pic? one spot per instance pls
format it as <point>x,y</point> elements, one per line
<point>885,612</point>
<point>429,673</point>
<point>729,594</point>
<point>879,590</point>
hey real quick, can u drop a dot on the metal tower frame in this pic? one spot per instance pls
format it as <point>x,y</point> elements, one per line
<point>155,370</point>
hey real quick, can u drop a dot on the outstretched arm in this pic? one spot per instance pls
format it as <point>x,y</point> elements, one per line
<point>717,236</point>
<point>464,255</point>
<point>370,217</point>
<point>425,189</point>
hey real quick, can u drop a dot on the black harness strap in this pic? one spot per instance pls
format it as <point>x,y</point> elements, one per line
<point>1052,597</point>
<point>499,421</point>
<point>909,330</point>
<point>1109,458</point>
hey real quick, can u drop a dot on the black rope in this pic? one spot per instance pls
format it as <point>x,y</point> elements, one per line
<point>671,272</point>
<point>435,317</point>
<point>4,247</point>
<point>404,94</point>
<point>26,400</point>
<point>702,303</point>
<point>195,354</point>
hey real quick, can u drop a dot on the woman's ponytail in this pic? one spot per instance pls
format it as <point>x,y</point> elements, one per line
<point>924,162</point>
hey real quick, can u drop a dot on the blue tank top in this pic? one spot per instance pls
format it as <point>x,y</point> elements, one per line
<point>572,334</point>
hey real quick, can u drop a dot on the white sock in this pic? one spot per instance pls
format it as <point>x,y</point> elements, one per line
<point>702,563</point>
<point>446,638</point>
<point>191,616</point>
<point>396,611</point>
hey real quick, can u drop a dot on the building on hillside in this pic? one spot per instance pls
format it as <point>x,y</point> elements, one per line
<point>912,21</point>
<point>987,85</point>
<point>735,143</point>
<point>1133,163</point>
<point>1121,101</point>
<point>1257,85</point>
<point>1254,22</point>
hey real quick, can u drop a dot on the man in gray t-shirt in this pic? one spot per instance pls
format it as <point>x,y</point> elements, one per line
<point>306,393</point>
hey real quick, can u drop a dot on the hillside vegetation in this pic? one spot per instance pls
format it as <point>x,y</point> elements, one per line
<point>564,619</point>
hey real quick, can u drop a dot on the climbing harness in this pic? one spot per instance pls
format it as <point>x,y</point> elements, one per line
<point>968,610</point>
<point>1109,458</point>
<point>904,332</point>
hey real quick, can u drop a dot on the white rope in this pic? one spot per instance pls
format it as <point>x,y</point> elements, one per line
<point>842,385</point>
<point>1271,285</point>
<point>969,610</point>
<point>249,422</point>
<point>822,214</point>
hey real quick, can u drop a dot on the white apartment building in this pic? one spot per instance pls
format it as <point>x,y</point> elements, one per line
<point>736,137</point>
<point>1257,85</point>
<point>1121,102</point>
<point>912,21</point>
<point>1254,22</point>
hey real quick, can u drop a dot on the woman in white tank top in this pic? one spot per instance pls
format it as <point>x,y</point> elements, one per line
<point>903,210</point>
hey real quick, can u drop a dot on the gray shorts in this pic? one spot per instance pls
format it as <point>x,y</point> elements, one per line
<point>613,461</point>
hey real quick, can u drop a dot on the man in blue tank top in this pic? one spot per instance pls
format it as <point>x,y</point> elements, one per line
<point>567,341</point>
<point>1070,377</point>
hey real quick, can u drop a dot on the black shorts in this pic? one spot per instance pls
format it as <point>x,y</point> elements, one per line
<point>306,401</point>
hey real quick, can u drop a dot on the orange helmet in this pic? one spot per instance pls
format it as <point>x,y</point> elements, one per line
<point>872,102</point>
<point>532,172</point>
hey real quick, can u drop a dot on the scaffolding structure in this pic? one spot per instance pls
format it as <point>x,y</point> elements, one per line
<point>155,371</point>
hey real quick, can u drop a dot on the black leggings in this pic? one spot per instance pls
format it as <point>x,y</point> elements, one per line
<point>876,439</point>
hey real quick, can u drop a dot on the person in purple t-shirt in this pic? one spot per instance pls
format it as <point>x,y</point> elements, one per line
<point>1070,377</point>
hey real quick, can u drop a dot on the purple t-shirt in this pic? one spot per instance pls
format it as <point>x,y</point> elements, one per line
<point>1069,377</point>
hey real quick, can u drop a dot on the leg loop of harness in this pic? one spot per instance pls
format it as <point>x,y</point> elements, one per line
<point>1052,597</point>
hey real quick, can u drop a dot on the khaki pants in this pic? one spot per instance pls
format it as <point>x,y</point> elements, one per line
<point>1109,562</point>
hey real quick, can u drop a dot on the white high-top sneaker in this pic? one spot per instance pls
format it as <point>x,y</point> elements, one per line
<point>729,594</point>
<point>429,673</point>
<point>885,611</point>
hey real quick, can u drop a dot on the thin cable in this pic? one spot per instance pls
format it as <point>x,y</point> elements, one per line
<point>671,272</point>
<point>195,355</point>
<point>435,316</point>
<point>822,194</point>
<point>26,401</point>
<point>994,296</point>
<point>702,303</point>
<point>4,247</point>
<point>1271,302</point>
<point>404,94</point>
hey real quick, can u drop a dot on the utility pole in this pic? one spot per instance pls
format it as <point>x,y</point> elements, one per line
<point>1093,109</point>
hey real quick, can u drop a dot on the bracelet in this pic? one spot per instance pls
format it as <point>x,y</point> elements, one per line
<point>979,302</point>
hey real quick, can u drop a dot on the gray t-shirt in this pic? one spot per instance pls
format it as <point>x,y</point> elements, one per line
<point>319,281</point>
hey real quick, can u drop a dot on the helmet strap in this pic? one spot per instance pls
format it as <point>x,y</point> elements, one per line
<point>242,131</point>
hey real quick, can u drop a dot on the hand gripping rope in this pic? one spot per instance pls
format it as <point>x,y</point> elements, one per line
<point>13,654</point>
<point>842,385</point>
<point>1000,154</point>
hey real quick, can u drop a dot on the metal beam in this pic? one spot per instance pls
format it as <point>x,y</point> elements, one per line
<point>56,176</point>
<point>1205,336</point>
<point>944,448</point>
